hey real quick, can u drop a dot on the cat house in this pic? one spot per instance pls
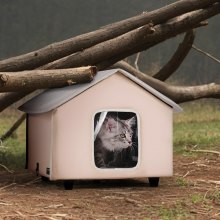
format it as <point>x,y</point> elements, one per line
<point>114,127</point>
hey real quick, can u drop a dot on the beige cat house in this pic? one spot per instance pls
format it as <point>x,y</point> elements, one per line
<point>114,127</point>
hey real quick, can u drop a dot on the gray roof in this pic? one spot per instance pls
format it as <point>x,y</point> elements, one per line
<point>53,98</point>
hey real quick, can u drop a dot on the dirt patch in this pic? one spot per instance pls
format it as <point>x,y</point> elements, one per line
<point>192,193</point>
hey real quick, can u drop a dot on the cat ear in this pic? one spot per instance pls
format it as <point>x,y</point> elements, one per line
<point>110,123</point>
<point>131,122</point>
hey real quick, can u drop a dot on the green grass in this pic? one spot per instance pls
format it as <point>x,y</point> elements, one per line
<point>198,126</point>
<point>173,213</point>
<point>164,212</point>
<point>197,198</point>
<point>12,151</point>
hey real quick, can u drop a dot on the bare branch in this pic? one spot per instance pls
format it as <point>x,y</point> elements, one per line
<point>207,54</point>
<point>58,50</point>
<point>14,127</point>
<point>136,60</point>
<point>173,64</point>
<point>6,168</point>
<point>179,94</point>
<point>8,98</point>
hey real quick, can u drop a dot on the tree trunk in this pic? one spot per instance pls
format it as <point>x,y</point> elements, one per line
<point>41,79</point>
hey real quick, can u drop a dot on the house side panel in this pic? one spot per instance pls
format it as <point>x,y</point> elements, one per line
<point>74,151</point>
<point>39,143</point>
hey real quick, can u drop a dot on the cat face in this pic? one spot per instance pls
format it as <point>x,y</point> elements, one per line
<point>116,134</point>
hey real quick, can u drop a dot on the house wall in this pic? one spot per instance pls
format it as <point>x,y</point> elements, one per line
<point>39,141</point>
<point>73,131</point>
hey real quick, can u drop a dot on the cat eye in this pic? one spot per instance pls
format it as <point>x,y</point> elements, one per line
<point>122,135</point>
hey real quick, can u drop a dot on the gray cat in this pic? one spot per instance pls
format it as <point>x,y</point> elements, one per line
<point>114,136</point>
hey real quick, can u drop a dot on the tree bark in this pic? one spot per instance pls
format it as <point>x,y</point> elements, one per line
<point>41,79</point>
<point>173,64</point>
<point>58,50</point>
<point>178,94</point>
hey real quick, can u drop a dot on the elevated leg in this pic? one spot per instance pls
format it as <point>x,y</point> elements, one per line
<point>154,181</point>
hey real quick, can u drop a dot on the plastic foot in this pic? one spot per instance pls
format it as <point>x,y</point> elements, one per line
<point>154,181</point>
<point>68,184</point>
<point>45,179</point>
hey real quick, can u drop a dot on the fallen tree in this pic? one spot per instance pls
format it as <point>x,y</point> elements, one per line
<point>110,44</point>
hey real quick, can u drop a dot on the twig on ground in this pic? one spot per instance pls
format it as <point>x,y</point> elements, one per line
<point>3,166</point>
<point>48,217</point>
<point>6,204</point>
<point>4,187</point>
<point>33,181</point>
<point>53,206</point>
<point>187,173</point>
<point>21,215</point>
<point>215,215</point>
<point>206,151</point>
<point>133,201</point>
<point>210,181</point>
<point>207,54</point>
<point>195,163</point>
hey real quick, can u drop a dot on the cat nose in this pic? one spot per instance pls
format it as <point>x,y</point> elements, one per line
<point>129,142</point>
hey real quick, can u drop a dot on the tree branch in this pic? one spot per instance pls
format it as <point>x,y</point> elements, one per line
<point>136,60</point>
<point>13,128</point>
<point>179,94</point>
<point>61,49</point>
<point>41,79</point>
<point>173,64</point>
<point>207,54</point>
<point>8,98</point>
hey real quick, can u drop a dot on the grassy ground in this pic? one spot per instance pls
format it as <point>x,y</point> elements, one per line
<point>198,126</point>
<point>12,151</point>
